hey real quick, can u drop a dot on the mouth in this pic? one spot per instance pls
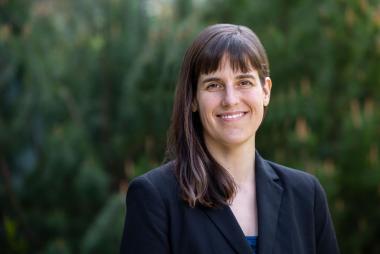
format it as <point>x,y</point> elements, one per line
<point>231,115</point>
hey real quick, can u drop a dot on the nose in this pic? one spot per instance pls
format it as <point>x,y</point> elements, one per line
<point>231,97</point>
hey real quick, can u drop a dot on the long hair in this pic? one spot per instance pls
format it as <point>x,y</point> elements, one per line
<point>201,178</point>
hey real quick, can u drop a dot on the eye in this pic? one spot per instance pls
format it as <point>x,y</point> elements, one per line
<point>214,86</point>
<point>246,83</point>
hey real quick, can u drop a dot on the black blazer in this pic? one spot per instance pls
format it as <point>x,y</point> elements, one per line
<point>293,216</point>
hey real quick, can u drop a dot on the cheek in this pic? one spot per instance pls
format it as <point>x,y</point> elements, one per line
<point>255,100</point>
<point>206,104</point>
<point>205,112</point>
<point>206,107</point>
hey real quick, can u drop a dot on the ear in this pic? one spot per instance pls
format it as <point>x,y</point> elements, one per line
<point>267,86</point>
<point>194,106</point>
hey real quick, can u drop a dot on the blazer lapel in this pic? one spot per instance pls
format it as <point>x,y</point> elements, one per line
<point>227,224</point>
<point>268,196</point>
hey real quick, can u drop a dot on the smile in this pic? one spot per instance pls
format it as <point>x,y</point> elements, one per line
<point>230,116</point>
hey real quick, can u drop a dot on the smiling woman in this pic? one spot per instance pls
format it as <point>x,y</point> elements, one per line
<point>218,195</point>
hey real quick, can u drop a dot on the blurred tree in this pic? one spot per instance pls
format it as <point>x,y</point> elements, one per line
<point>13,21</point>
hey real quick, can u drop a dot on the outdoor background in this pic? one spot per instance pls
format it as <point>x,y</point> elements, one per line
<point>86,90</point>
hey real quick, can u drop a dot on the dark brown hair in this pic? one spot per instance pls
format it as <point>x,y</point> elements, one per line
<point>201,178</point>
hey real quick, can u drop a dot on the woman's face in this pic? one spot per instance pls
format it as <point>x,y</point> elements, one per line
<point>231,105</point>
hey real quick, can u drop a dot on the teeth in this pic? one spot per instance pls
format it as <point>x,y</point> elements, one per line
<point>232,116</point>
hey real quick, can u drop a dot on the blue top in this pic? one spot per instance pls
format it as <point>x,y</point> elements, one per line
<point>252,242</point>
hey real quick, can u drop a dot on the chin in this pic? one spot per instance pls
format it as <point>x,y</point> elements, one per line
<point>236,141</point>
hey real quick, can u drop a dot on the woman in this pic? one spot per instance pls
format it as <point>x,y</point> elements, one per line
<point>218,195</point>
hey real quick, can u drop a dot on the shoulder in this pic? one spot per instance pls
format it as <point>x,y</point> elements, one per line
<point>301,190</point>
<point>297,181</point>
<point>288,173</point>
<point>160,180</point>
<point>158,177</point>
<point>306,200</point>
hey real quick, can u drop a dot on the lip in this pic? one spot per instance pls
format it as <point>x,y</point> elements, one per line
<point>231,116</point>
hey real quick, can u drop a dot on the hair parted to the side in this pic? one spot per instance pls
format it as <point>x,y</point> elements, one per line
<point>201,178</point>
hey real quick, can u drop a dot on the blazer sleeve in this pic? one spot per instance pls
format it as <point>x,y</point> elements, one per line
<point>326,241</point>
<point>146,222</point>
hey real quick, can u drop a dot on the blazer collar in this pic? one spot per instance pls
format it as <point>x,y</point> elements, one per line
<point>268,196</point>
<point>227,224</point>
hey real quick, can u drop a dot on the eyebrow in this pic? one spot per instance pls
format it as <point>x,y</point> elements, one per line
<point>241,76</point>
<point>211,79</point>
<point>244,76</point>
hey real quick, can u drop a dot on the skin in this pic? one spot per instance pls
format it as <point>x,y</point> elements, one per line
<point>231,107</point>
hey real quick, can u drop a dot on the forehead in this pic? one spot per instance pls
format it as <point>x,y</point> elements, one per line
<point>227,64</point>
<point>237,62</point>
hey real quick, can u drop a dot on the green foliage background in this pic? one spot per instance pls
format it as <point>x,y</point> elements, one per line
<point>86,89</point>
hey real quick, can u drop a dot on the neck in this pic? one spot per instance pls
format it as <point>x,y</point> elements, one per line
<point>239,161</point>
